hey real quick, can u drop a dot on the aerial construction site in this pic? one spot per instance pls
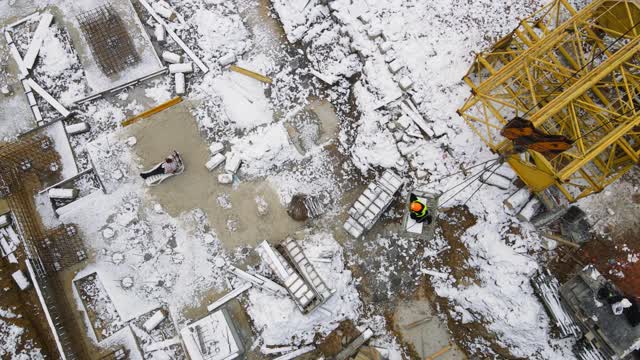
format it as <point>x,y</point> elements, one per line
<point>320,179</point>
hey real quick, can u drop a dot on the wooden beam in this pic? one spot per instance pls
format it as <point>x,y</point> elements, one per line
<point>228,297</point>
<point>439,353</point>
<point>37,40</point>
<point>157,109</point>
<point>250,73</point>
<point>45,95</point>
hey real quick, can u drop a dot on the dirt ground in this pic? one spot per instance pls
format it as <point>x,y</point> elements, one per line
<point>26,306</point>
<point>237,224</point>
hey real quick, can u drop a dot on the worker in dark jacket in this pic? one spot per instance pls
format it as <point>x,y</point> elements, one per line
<point>419,210</point>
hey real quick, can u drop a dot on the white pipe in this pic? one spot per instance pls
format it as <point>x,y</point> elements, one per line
<point>161,35</point>
<point>180,83</point>
<point>170,57</point>
<point>227,59</point>
<point>180,68</point>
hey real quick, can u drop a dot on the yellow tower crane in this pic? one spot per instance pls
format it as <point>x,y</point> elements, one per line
<point>559,97</point>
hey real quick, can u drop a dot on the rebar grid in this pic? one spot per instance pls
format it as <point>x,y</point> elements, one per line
<point>108,39</point>
<point>34,161</point>
<point>20,185</point>
<point>60,248</point>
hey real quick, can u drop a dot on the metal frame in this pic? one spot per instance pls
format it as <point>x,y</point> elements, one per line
<point>575,74</point>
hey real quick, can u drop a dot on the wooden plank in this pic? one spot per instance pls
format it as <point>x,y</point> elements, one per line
<point>157,109</point>
<point>23,20</point>
<point>18,59</point>
<point>439,353</point>
<point>250,73</point>
<point>45,95</point>
<point>37,40</point>
<point>175,37</point>
<point>273,259</point>
<point>228,297</point>
<point>295,354</point>
<point>418,323</point>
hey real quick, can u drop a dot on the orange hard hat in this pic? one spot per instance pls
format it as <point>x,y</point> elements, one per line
<point>416,206</point>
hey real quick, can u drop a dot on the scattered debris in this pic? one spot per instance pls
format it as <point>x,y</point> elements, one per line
<point>589,298</point>
<point>548,289</point>
<point>212,337</point>
<point>176,38</point>
<point>259,281</point>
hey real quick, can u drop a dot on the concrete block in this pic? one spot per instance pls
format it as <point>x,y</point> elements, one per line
<point>225,178</point>
<point>171,57</point>
<point>405,83</point>
<point>214,162</point>
<point>154,321</point>
<point>180,83</point>
<point>385,46</point>
<point>228,59</point>
<point>78,128</point>
<point>395,66</point>
<point>374,32</point>
<point>404,122</point>
<point>67,194</point>
<point>215,148</point>
<point>233,163</point>
<point>21,280</point>
<point>163,11</point>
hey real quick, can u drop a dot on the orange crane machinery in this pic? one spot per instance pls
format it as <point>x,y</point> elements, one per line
<point>559,96</point>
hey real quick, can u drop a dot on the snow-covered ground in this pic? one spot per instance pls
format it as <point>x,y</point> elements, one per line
<point>146,258</point>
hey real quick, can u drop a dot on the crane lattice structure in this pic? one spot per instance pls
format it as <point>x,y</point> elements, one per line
<point>569,73</point>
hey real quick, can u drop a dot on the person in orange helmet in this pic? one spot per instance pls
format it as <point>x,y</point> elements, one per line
<point>419,210</point>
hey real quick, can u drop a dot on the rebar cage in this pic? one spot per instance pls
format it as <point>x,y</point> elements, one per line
<point>108,39</point>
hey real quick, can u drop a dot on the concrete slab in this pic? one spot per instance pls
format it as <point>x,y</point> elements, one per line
<point>239,225</point>
<point>420,326</point>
